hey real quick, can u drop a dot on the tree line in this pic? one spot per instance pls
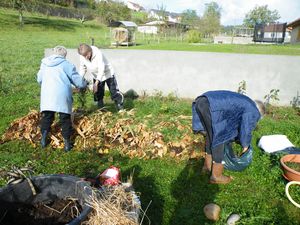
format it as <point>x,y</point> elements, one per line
<point>207,25</point>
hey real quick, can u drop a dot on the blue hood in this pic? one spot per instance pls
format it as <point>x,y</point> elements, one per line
<point>53,60</point>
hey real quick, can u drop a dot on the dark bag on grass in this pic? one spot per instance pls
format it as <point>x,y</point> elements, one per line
<point>235,163</point>
<point>49,188</point>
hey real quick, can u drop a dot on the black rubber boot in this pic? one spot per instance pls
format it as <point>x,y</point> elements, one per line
<point>100,104</point>
<point>44,140</point>
<point>68,145</point>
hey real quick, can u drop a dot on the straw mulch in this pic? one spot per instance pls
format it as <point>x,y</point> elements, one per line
<point>114,205</point>
<point>103,131</point>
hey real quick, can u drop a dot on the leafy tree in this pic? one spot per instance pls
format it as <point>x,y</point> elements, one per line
<point>66,3</point>
<point>210,22</point>
<point>91,4</point>
<point>139,17</point>
<point>261,14</point>
<point>112,11</point>
<point>189,17</point>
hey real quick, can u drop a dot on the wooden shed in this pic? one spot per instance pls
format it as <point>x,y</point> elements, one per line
<point>295,33</point>
<point>122,33</point>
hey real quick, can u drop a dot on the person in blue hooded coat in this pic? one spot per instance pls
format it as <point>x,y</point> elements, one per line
<point>56,77</point>
<point>224,116</point>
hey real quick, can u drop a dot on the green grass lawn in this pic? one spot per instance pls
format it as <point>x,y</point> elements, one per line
<point>176,189</point>
<point>224,48</point>
<point>154,43</point>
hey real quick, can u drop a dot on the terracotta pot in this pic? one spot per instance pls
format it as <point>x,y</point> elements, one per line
<point>289,173</point>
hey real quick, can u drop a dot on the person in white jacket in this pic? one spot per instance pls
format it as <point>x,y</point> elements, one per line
<point>92,60</point>
<point>56,77</point>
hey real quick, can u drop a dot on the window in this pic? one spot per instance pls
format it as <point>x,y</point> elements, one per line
<point>298,36</point>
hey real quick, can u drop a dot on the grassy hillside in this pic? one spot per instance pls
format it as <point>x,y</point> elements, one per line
<point>176,188</point>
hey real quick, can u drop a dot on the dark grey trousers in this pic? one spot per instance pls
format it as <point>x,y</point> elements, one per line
<point>202,109</point>
<point>112,84</point>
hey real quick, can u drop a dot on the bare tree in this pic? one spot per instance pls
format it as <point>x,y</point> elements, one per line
<point>162,14</point>
<point>21,6</point>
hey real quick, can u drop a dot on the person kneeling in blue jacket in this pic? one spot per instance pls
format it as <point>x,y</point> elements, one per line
<point>224,116</point>
<point>56,77</point>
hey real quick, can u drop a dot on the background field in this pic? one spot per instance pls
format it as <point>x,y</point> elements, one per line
<point>177,190</point>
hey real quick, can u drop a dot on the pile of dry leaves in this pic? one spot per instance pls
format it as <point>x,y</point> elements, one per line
<point>103,131</point>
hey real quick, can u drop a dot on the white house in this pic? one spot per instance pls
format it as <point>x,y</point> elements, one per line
<point>151,27</point>
<point>174,17</point>
<point>134,6</point>
<point>170,16</point>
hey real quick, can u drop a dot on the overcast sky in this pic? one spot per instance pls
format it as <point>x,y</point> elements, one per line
<point>233,11</point>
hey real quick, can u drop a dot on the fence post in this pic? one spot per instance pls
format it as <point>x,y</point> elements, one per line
<point>92,41</point>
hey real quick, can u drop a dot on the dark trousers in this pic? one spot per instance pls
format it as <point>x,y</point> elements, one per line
<point>202,109</point>
<point>115,94</point>
<point>64,119</point>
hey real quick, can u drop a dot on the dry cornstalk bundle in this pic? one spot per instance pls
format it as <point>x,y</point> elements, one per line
<point>135,140</point>
<point>89,129</point>
<point>24,128</point>
<point>103,131</point>
<point>185,149</point>
<point>27,128</point>
<point>114,206</point>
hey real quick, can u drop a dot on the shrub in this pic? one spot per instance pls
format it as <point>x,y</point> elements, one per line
<point>193,36</point>
<point>139,17</point>
<point>296,101</point>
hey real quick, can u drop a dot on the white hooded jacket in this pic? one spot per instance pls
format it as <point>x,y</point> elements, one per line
<point>98,66</point>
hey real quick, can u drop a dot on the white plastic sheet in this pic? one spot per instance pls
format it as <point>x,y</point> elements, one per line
<point>274,143</point>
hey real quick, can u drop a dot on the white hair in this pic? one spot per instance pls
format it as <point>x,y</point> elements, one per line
<point>261,107</point>
<point>60,50</point>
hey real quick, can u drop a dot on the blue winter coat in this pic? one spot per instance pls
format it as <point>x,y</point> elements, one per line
<point>56,76</point>
<point>234,117</point>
